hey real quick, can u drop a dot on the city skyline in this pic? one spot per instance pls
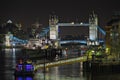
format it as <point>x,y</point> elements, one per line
<point>27,12</point>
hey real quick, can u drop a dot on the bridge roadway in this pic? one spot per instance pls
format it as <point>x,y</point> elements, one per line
<point>60,62</point>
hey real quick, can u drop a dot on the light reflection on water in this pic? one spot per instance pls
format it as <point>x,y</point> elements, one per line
<point>24,78</point>
<point>67,72</point>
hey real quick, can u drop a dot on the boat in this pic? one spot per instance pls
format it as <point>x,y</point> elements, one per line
<point>24,69</point>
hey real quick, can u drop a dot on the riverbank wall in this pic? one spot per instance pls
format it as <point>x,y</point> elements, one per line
<point>101,67</point>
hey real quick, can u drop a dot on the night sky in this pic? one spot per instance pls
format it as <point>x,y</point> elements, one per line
<point>28,12</point>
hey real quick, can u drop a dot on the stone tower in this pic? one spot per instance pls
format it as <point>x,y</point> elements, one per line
<point>53,21</point>
<point>93,23</point>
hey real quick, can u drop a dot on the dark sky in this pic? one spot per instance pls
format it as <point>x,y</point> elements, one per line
<point>27,12</point>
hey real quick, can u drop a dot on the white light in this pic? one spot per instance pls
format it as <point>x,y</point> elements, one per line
<point>9,21</point>
<point>13,44</point>
<point>93,51</point>
<point>52,36</point>
<point>96,43</point>
<point>93,43</point>
<point>72,23</point>
<point>81,23</point>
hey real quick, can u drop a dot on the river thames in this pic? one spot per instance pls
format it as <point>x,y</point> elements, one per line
<point>8,59</point>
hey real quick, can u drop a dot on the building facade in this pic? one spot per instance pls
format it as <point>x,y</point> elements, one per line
<point>113,35</point>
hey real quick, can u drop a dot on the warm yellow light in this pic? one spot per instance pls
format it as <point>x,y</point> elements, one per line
<point>92,51</point>
<point>107,50</point>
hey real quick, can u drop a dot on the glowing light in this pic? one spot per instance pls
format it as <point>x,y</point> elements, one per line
<point>107,50</point>
<point>92,51</point>
<point>9,21</point>
<point>7,37</point>
<point>72,23</point>
<point>81,23</point>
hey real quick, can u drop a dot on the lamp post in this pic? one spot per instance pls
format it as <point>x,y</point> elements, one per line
<point>44,52</point>
<point>44,63</point>
<point>45,42</point>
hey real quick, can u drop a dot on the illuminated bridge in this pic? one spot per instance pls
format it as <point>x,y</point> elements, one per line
<point>17,40</point>
<point>47,29</point>
<point>82,41</point>
<point>14,41</point>
<point>77,41</point>
<point>54,24</point>
<point>53,31</point>
<point>61,62</point>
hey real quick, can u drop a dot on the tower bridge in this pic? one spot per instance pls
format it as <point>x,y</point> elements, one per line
<point>92,25</point>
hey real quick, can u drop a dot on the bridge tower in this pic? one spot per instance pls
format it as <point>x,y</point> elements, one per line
<point>53,21</point>
<point>93,23</point>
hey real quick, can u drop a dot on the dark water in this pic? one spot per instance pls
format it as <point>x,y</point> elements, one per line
<point>8,59</point>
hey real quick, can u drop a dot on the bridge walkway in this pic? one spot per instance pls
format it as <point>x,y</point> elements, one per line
<point>60,62</point>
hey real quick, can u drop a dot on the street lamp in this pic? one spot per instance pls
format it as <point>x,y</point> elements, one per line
<point>44,63</point>
<point>45,54</point>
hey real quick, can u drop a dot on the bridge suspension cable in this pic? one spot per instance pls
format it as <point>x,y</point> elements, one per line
<point>101,30</point>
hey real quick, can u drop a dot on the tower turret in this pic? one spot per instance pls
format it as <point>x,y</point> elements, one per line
<point>53,21</point>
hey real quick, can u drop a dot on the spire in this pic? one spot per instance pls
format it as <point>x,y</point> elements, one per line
<point>9,21</point>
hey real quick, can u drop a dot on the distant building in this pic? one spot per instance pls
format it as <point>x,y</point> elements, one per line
<point>34,29</point>
<point>9,26</point>
<point>113,33</point>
